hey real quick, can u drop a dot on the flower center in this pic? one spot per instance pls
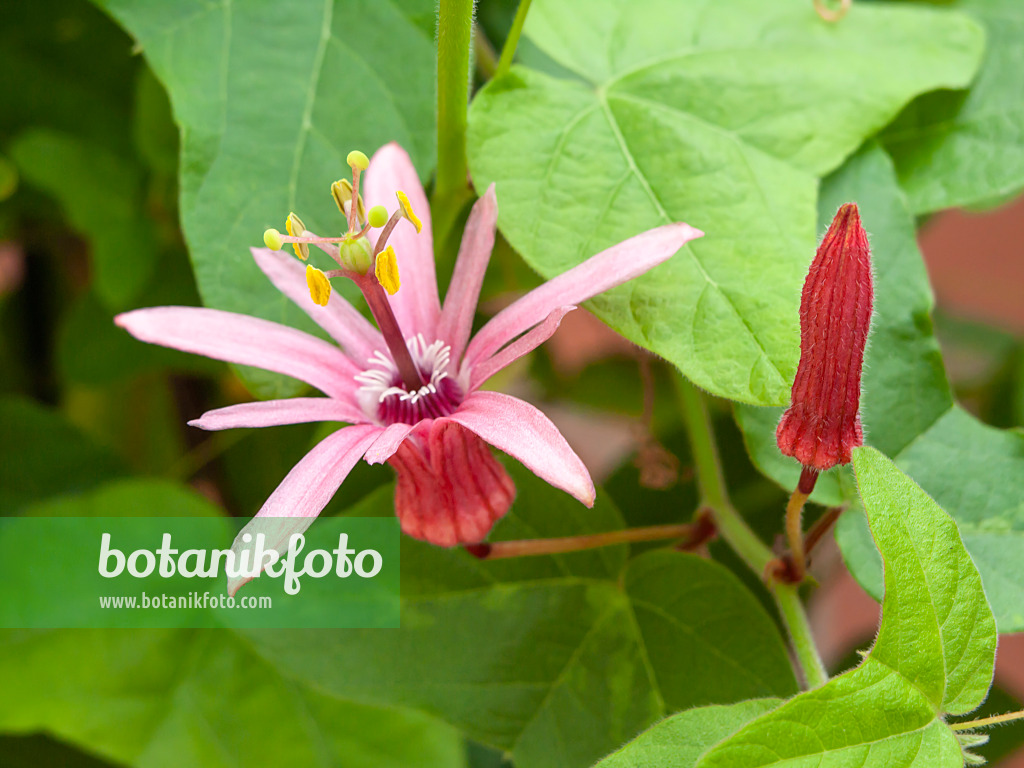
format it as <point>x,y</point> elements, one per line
<point>384,397</point>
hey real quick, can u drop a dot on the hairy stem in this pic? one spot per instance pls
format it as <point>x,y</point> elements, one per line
<point>984,722</point>
<point>795,533</point>
<point>692,533</point>
<point>509,51</point>
<point>734,529</point>
<point>791,608</point>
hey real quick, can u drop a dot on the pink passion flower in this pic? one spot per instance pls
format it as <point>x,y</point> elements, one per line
<point>412,390</point>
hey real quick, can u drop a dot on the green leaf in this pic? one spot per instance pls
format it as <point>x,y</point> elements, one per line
<point>719,116</point>
<point>956,148</point>
<point>975,472</point>
<point>65,66</point>
<point>934,655</point>
<point>101,194</point>
<point>680,740</point>
<point>270,98</point>
<point>170,697</point>
<point>42,455</point>
<point>91,350</point>
<point>549,658</point>
<point>197,697</point>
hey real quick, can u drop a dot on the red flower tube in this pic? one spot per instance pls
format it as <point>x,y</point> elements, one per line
<point>822,425</point>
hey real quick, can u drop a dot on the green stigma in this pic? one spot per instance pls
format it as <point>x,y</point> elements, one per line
<point>272,239</point>
<point>357,160</point>
<point>378,216</point>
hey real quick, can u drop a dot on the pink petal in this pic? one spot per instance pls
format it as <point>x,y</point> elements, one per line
<point>273,413</point>
<point>607,269</point>
<point>245,340</point>
<point>523,432</point>
<point>302,495</point>
<point>524,344</point>
<point>464,290</point>
<point>339,318</point>
<point>388,442</point>
<point>416,304</point>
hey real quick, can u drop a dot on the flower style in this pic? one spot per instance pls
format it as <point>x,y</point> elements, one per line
<point>411,391</point>
<point>822,425</point>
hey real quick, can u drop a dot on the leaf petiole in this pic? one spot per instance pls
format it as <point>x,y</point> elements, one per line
<point>986,722</point>
<point>690,534</point>
<point>509,50</point>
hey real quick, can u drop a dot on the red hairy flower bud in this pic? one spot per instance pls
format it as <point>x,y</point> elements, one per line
<point>822,425</point>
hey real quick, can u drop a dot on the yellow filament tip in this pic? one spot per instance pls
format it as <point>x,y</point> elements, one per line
<point>319,285</point>
<point>386,270</point>
<point>407,211</point>
<point>295,228</point>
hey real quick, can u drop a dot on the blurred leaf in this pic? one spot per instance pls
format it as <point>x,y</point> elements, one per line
<point>156,136</point>
<point>680,740</point>
<point>41,455</point>
<point>955,148</point>
<point>726,128</point>
<point>8,178</point>
<point>129,497</point>
<point>100,193</point>
<point>934,654</point>
<point>974,471</point>
<point>548,657</point>
<point>36,750</point>
<point>92,351</point>
<point>67,67</point>
<point>270,98</point>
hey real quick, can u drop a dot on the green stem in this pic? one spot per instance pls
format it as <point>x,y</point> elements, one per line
<point>509,51</point>
<point>711,482</point>
<point>791,608</point>
<point>738,535</point>
<point>451,190</point>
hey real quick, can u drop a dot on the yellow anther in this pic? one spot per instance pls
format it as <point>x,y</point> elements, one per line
<point>386,270</point>
<point>342,192</point>
<point>272,239</point>
<point>295,228</point>
<point>407,211</point>
<point>357,159</point>
<point>378,216</point>
<point>319,285</point>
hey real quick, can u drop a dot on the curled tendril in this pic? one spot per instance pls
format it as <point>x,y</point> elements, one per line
<point>829,14</point>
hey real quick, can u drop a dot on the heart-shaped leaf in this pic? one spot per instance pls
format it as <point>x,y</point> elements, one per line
<point>720,116</point>
<point>934,655</point>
